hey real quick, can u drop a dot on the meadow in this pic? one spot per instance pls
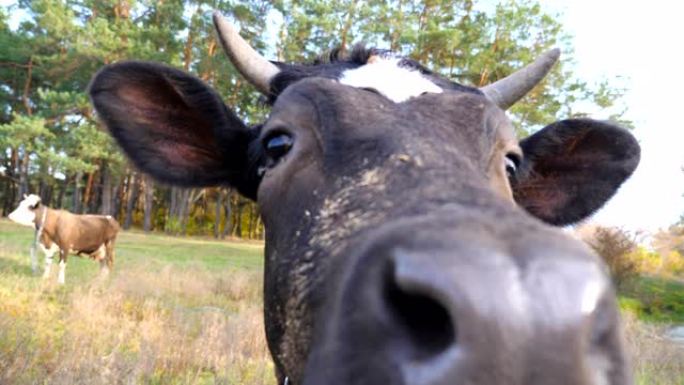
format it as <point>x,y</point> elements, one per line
<point>173,311</point>
<point>186,311</point>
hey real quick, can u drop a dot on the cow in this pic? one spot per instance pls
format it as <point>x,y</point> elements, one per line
<point>411,238</point>
<point>60,230</point>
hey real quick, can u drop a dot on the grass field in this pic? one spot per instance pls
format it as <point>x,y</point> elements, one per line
<point>655,299</point>
<point>173,311</point>
<point>186,311</point>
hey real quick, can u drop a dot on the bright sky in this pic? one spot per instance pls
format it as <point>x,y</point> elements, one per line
<point>641,42</point>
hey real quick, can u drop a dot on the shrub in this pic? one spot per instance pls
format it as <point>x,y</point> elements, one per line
<point>673,263</point>
<point>617,247</point>
<point>649,262</point>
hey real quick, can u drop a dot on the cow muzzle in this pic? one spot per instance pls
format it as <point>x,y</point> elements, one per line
<point>460,306</point>
<point>22,216</point>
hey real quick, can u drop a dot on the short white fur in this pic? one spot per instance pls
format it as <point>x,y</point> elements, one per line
<point>386,76</point>
<point>23,214</point>
<point>62,270</point>
<point>49,253</point>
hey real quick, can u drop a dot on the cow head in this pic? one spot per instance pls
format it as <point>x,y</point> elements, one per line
<point>409,234</point>
<point>25,213</point>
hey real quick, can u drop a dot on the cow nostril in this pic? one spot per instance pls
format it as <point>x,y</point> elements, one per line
<point>425,322</point>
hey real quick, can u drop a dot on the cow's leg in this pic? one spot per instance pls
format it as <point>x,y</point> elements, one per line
<point>109,254</point>
<point>49,253</point>
<point>103,257</point>
<point>62,265</point>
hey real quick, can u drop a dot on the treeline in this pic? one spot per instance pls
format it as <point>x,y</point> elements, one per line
<point>52,144</point>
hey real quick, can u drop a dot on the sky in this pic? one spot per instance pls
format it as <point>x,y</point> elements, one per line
<point>639,44</point>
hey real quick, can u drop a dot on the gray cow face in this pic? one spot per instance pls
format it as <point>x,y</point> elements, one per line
<point>401,240</point>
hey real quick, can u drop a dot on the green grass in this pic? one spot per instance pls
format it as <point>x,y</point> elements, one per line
<point>172,311</point>
<point>190,311</point>
<point>655,299</point>
<point>154,251</point>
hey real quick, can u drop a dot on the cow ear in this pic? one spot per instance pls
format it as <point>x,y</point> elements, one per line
<point>572,167</point>
<point>173,126</point>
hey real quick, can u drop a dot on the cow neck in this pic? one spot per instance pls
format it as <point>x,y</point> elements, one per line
<point>41,224</point>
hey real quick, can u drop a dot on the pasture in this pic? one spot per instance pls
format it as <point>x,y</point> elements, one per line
<point>173,311</point>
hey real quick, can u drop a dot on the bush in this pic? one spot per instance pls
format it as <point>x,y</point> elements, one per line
<point>649,262</point>
<point>618,249</point>
<point>670,244</point>
<point>673,263</point>
<point>632,306</point>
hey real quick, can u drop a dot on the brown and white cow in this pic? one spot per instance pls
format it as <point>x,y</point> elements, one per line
<point>60,230</point>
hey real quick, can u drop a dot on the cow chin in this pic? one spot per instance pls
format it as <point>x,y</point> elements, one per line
<point>23,217</point>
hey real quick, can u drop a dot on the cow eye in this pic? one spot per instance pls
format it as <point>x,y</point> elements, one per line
<point>512,163</point>
<point>276,146</point>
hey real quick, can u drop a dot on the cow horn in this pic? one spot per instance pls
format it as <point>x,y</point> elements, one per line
<point>505,92</point>
<point>253,67</point>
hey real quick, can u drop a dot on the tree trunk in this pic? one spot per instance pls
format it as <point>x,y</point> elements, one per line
<point>88,191</point>
<point>149,200</point>
<point>106,202</point>
<point>76,198</point>
<point>259,228</point>
<point>96,193</point>
<point>347,25</point>
<point>178,210</point>
<point>62,190</point>
<point>252,221</point>
<point>133,191</point>
<point>7,194</point>
<point>217,213</point>
<point>11,186</point>
<point>23,175</point>
<point>14,164</point>
<point>46,193</point>
<point>227,226</point>
<point>184,210</point>
<point>43,184</point>
<point>119,196</point>
<point>238,218</point>
<point>173,209</point>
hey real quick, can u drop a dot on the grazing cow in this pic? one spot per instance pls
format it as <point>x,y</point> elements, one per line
<point>60,230</point>
<point>410,236</point>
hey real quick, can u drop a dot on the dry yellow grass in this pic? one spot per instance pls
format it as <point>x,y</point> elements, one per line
<point>656,360</point>
<point>187,326</point>
<point>165,318</point>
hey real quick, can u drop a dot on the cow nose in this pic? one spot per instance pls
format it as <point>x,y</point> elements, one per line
<point>421,313</point>
<point>462,313</point>
<point>472,318</point>
<point>425,314</point>
<point>406,326</point>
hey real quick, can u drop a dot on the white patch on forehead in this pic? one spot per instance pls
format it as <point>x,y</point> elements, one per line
<point>386,76</point>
